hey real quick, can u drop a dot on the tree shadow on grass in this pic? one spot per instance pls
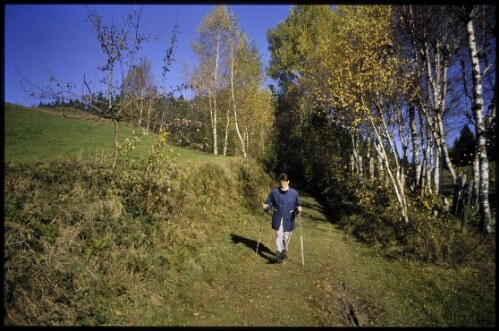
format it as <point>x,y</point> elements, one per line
<point>263,250</point>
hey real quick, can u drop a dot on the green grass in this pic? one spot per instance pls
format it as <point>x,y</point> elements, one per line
<point>36,135</point>
<point>77,253</point>
<point>227,284</point>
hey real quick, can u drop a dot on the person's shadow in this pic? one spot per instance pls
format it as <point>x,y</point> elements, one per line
<point>263,250</point>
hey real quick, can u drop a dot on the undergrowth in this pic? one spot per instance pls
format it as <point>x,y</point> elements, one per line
<point>83,242</point>
<point>369,211</point>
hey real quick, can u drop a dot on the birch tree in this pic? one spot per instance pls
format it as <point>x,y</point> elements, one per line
<point>140,89</point>
<point>432,35</point>
<point>228,76</point>
<point>369,82</point>
<point>469,15</point>
<point>211,50</point>
<point>234,42</point>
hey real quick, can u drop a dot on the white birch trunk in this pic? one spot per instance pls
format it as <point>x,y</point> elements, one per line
<point>211,110</point>
<point>416,145</point>
<point>437,78</point>
<point>476,180</point>
<point>429,162</point>
<point>370,160</point>
<point>425,150</point>
<point>243,147</point>
<point>437,169</point>
<point>214,124</point>
<point>226,138</point>
<point>379,164</point>
<point>397,182</point>
<point>478,109</point>
<point>115,121</point>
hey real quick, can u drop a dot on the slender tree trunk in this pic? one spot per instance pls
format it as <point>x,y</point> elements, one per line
<point>214,126</point>
<point>243,146</point>
<point>440,123</point>
<point>422,178</point>
<point>355,158</point>
<point>114,119</point>
<point>116,142</point>
<point>429,162</point>
<point>370,160</point>
<point>476,180</point>
<point>351,164</point>
<point>211,110</point>
<point>141,111</point>
<point>424,182</point>
<point>226,139</point>
<point>397,182</point>
<point>405,144</point>
<point>232,64</point>
<point>379,164</point>
<point>438,169</point>
<point>438,88</point>
<point>416,145</point>
<point>435,161</point>
<point>478,105</point>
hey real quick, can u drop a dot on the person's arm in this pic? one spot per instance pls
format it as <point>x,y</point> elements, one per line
<point>267,205</point>
<point>298,204</point>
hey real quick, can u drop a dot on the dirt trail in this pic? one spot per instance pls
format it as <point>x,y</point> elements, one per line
<point>256,293</point>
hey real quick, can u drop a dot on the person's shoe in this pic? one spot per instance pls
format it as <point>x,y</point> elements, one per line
<point>277,258</point>
<point>284,254</point>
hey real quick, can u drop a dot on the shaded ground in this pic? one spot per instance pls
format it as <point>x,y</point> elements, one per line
<point>257,293</point>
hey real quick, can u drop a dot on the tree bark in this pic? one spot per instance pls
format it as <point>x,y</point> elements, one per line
<point>215,73</point>
<point>226,138</point>
<point>233,95</point>
<point>478,107</point>
<point>116,142</point>
<point>397,181</point>
<point>415,140</point>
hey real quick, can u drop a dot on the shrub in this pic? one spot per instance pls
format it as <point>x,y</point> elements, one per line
<point>368,211</point>
<point>81,238</point>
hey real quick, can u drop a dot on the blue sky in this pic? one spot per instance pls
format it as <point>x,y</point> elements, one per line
<point>57,39</point>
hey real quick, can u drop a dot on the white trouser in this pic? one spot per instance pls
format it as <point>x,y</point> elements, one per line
<point>282,237</point>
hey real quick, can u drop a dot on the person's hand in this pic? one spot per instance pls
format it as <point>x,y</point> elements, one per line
<point>298,209</point>
<point>265,206</point>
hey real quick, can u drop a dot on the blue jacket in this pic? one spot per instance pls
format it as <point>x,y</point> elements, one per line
<point>284,203</point>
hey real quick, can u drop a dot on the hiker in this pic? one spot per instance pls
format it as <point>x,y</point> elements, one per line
<point>286,203</point>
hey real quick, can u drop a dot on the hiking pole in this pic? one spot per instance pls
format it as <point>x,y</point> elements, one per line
<point>301,243</point>
<point>286,244</point>
<point>287,241</point>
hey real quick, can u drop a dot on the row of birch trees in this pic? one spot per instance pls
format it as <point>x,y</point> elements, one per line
<point>392,80</point>
<point>227,79</point>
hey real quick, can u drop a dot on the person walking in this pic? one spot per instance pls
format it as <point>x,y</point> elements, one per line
<point>285,202</point>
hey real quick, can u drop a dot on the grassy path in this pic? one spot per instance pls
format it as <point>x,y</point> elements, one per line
<point>209,274</point>
<point>287,293</point>
<point>240,288</point>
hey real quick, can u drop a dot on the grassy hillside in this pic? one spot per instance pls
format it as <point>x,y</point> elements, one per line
<point>174,245</point>
<point>39,135</point>
<point>82,248</point>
